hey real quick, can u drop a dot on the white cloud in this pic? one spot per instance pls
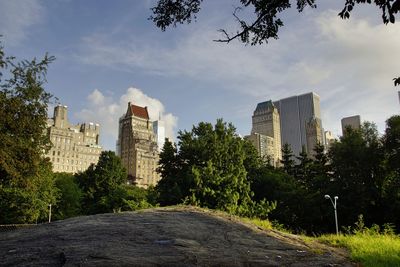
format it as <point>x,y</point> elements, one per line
<point>106,111</point>
<point>16,18</point>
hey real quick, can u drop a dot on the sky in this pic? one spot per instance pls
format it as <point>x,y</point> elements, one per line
<point>108,54</point>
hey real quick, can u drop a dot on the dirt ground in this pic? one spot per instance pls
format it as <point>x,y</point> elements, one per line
<point>181,236</point>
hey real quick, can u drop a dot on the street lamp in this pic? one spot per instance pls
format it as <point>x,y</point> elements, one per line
<point>49,213</point>
<point>334,207</point>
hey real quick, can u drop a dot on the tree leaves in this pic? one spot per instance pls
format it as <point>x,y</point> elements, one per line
<point>26,182</point>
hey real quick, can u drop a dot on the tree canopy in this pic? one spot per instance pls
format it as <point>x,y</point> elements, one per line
<point>101,184</point>
<point>210,169</point>
<point>26,181</point>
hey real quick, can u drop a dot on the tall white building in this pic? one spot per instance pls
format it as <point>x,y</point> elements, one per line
<point>301,124</point>
<point>159,131</point>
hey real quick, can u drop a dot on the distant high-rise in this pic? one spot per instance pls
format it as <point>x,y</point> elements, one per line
<point>74,147</point>
<point>314,134</point>
<point>137,146</point>
<point>300,119</point>
<point>159,131</point>
<point>329,139</point>
<point>353,122</point>
<point>265,121</point>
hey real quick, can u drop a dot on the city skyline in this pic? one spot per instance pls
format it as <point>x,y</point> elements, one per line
<point>110,54</point>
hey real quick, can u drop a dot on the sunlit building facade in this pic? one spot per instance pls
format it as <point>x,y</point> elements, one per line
<point>266,132</point>
<point>137,146</point>
<point>74,147</point>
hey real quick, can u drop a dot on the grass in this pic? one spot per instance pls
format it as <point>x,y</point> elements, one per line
<point>263,224</point>
<point>370,249</point>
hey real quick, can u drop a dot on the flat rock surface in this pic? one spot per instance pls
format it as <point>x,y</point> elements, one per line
<point>180,236</point>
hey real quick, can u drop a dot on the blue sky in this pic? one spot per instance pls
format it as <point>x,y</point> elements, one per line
<point>109,53</point>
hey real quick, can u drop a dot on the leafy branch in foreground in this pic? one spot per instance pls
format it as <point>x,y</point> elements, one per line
<point>264,24</point>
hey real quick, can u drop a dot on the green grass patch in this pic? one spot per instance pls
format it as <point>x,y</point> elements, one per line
<point>263,224</point>
<point>370,249</point>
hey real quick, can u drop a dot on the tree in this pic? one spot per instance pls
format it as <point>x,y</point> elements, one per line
<point>264,24</point>
<point>320,171</point>
<point>209,170</point>
<point>303,168</point>
<point>26,183</point>
<point>220,180</point>
<point>69,204</point>
<point>135,198</point>
<point>287,159</point>
<point>391,141</point>
<point>357,165</point>
<point>391,187</point>
<point>101,184</point>
<point>171,188</point>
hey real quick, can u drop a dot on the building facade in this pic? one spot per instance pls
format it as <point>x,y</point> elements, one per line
<point>300,115</point>
<point>354,122</point>
<point>137,146</point>
<point>314,135</point>
<point>329,139</point>
<point>74,147</point>
<point>266,123</point>
<point>265,147</point>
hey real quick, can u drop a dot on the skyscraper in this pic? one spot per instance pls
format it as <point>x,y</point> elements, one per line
<point>266,122</point>
<point>353,122</point>
<point>137,146</point>
<point>159,131</point>
<point>300,115</point>
<point>74,147</point>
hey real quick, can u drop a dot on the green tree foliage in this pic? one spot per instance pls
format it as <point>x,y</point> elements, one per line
<point>69,204</point>
<point>392,143</point>
<point>303,168</point>
<point>287,159</point>
<point>209,170</point>
<point>101,184</point>
<point>136,198</point>
<point>391,187</point>
<point>220,180</point>
<point>357,164</point>
<point>26,183</point>
<point>173,187</point>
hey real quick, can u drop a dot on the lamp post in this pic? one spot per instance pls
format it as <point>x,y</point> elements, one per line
<point>334,207</point>
<point>49,213</point>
